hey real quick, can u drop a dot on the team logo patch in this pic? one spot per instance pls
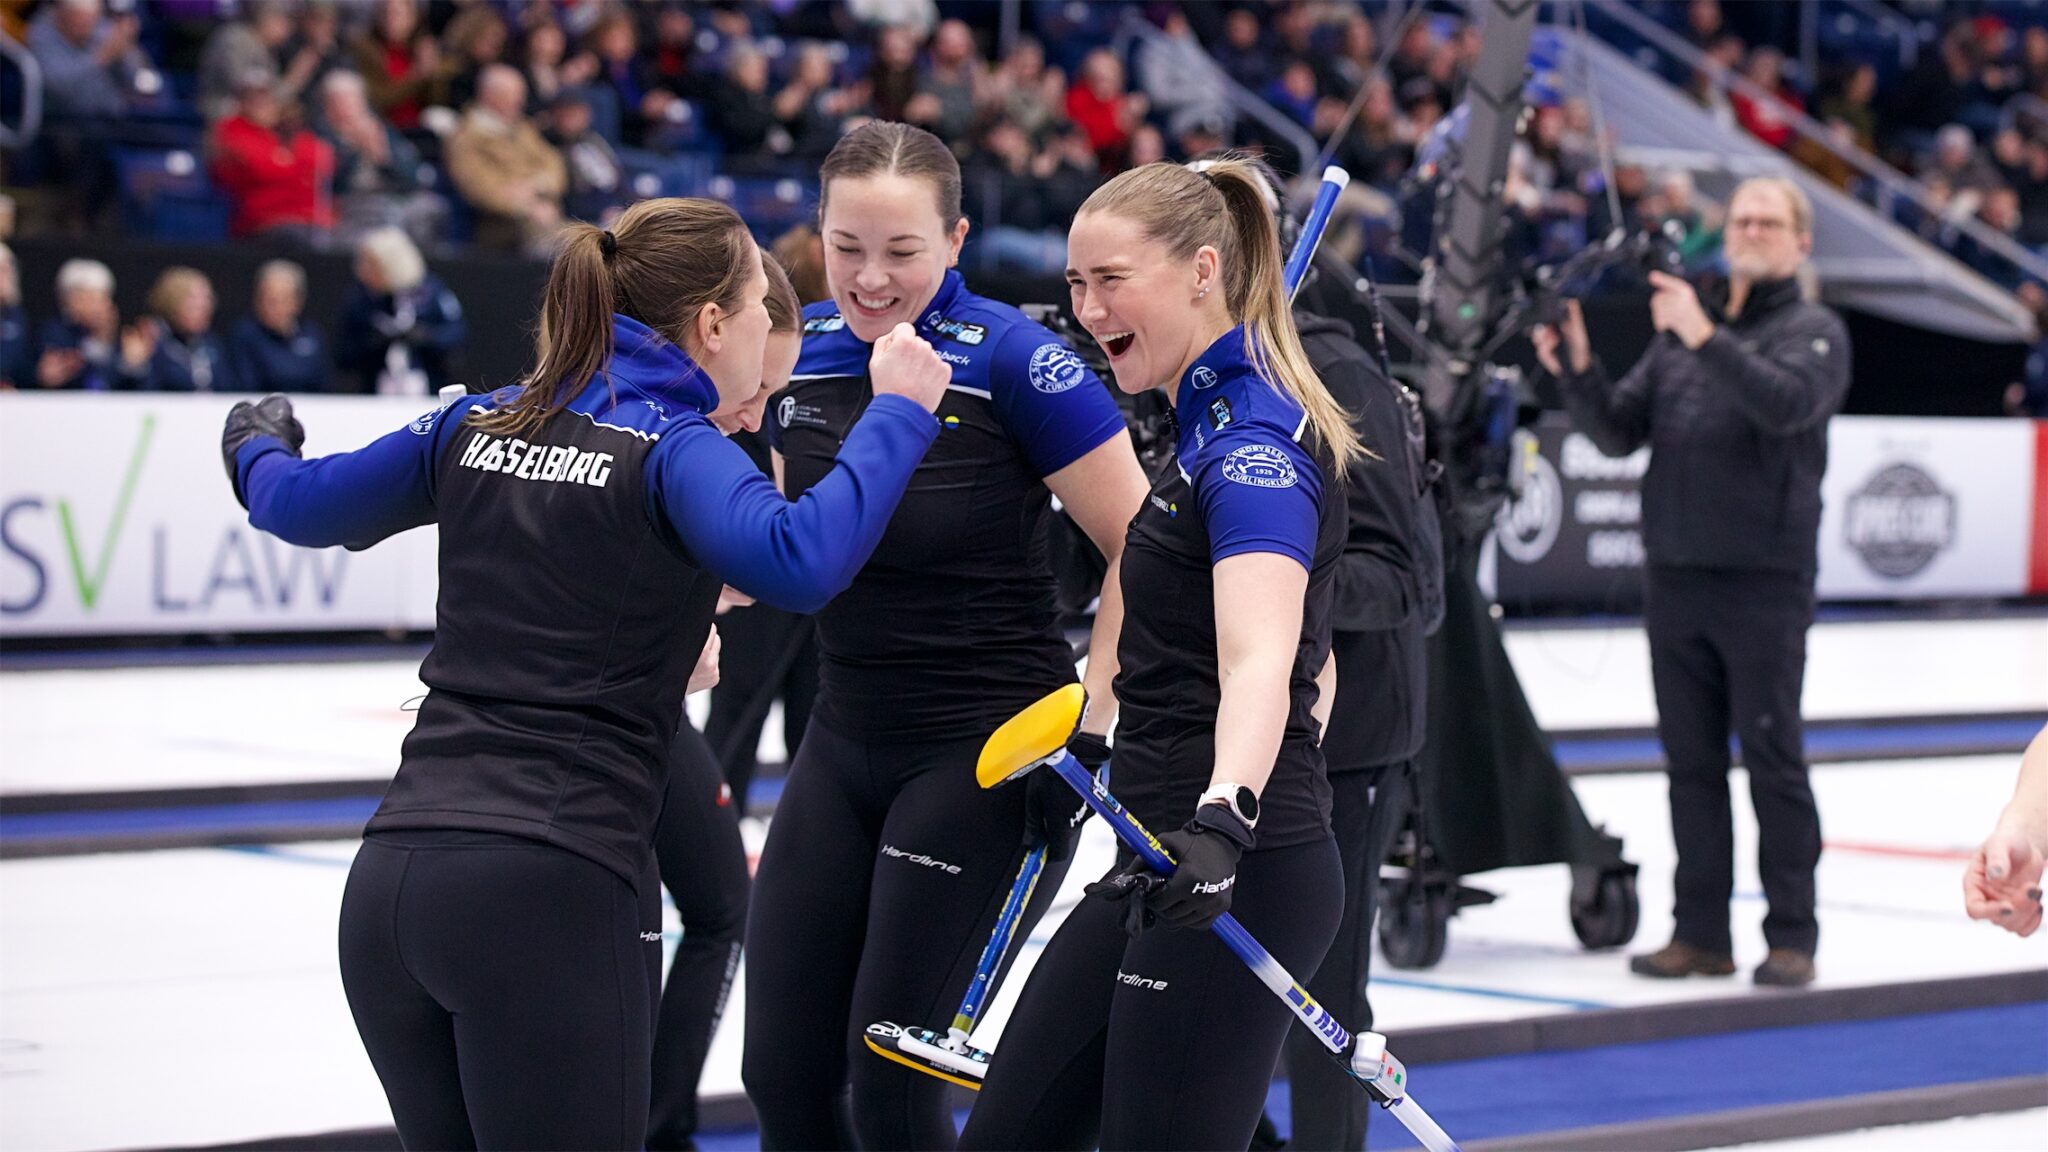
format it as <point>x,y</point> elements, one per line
<point>1205,377</point>
<point>1056,368</point>
<point>1261,466</point>
<point>424,424</point>
<point>958,330</point>
<point>1220,414</point>
<point>785,411</point>
<point>825,323</point>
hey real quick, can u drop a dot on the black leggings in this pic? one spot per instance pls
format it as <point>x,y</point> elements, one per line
<point>1367,807</point>
<point>767,653</point>
<point>883,874</point>
<point>704,867</point>
<point>503,988</point>
<point>1166,1041</point>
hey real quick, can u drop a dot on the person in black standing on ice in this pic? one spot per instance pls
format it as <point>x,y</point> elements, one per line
<point>697,844</point>
<point>1733,397</point>
<point>499,937</point>
<point>886,864</point>
<point>1130,1036</point>
<point>1389,595</point>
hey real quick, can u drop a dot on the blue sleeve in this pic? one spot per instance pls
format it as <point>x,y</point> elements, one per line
<point>797,554</point>
<point>1258,491</point>
<point>352,498</point>
<point>1054,405</point>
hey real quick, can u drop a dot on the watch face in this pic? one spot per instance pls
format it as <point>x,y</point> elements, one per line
<point>1248,804</point>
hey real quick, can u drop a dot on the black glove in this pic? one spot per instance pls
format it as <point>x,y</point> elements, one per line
<point>1205,852</point>
<point>1200,887</point>
<point>1134,885</point>
<point>270,416</point>
<point>1053,811</point>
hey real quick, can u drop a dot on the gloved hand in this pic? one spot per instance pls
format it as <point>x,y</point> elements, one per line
<point>270,416</point>
<point>1134,885</point>
<point>1053,811</point>
<point>1199,890</point>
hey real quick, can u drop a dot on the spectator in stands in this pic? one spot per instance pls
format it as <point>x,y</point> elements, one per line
<point>1019,206</point>
<point>811,107</point>
<point>274,348</point>
<point>1853,102</point>
<point>630,80</point>
<point>173,349</point>
<point>1704,86</point>
<point>1704,24</point>
<point>17,363</point>
<point>505,169</point>
<point>674,58</point>
<point>1294,29</point>
<point>474,40</point>
<point>1932,95</point>
<point>1675,200</point>
<point>240,48</point>
<point>1410,62</point>
<point>314,50</point>
<point>401,328</point>
<point>1243,51</point>
<point>1026,92</point>
<point>81,347</point>
<point>276,175</point>
<point>2034,59</point>
<point>2023,165</point>
<point>1379,147</point>
<point>597,180</point>
<point>1178,76</point>
<point>955,84</point>
<point>377,171</point>
<point>1762,118</point>
<point>88,60</point>
<point>1148,146</point>
<point>402,64</point>
<point>1356,61</point>
<point>89,65</point>
<point>1293,92</point>
<point>892,74</point>
<point>1958,176</point>
<point>545,63</point>
<point>743,113</point>
<point>1199,137</point>
<point>1098,104</point>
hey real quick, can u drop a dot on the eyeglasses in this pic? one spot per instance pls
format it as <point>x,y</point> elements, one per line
<point>1758,223</point>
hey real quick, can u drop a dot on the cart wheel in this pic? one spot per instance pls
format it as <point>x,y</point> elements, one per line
<point>1415,919</point>
<point>1606,916</point>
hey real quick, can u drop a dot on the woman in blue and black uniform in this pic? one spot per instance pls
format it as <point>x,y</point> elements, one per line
<point>1138,1028</point>
<point>500,931</point>
<point>885,865</point>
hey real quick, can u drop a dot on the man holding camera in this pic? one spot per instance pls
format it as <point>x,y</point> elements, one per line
<point>1734,399</point>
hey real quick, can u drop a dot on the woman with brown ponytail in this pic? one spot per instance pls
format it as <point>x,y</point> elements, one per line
<point>500,932</point>
<point>1138,1028</point>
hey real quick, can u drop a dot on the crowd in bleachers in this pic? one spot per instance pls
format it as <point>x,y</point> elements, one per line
<point>486,123</point>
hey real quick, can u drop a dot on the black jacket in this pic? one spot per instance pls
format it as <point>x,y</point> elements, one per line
<point>1738,432</point>
<point>1391,572</point>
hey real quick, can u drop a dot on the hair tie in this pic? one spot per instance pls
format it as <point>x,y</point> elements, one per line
<point>607,243</point>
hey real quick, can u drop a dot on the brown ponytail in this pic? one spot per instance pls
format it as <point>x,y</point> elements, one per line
<point>1224,207</point>
<point>660,264</point>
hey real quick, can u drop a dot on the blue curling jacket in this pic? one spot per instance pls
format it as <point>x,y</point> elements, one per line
<point>580,564</point>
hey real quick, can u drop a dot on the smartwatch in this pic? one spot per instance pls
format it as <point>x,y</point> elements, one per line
<point>1242,802</point>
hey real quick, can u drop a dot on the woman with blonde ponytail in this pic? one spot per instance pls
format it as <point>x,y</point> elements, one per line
<point>1138,1028</point>
<point>501,929</point>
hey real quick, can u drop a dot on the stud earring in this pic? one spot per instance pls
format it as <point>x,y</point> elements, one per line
<point>1202,293</point>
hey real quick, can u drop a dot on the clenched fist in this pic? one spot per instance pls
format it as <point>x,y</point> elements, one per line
<point>904,365</point>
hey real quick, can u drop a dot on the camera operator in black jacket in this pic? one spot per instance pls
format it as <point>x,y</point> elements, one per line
<point>1733,398</point>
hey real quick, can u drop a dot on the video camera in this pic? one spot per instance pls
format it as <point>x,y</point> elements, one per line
<point>1646,252</point>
